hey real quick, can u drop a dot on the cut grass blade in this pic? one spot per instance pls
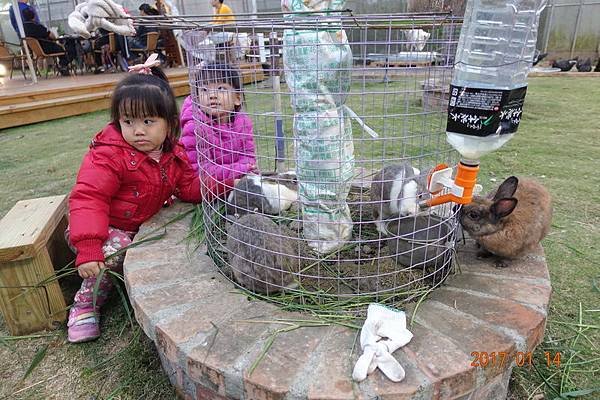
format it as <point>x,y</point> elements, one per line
<point>545,379</point>
<point>37,359</point>
<point>97,287</point>
<point>96,367</point>
<point>578,393</point>
<point>268,345</point>
<point>71,271</point>
<point>25,337</point>
<point>117,284</point>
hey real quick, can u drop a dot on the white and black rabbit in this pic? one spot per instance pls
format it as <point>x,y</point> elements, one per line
<point>265,194</point>
<point>511,220</point>
<point>395,192</point>
<point>262,254</point>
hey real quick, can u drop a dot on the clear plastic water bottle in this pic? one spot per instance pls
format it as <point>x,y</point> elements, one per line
<point>495,53</point>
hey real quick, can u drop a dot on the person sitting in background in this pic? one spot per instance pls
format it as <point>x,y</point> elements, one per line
<point>140,40</point>
<point>46,38</point>
<point>223,13</point>
<point>104,58</point>
<point>23,5</point>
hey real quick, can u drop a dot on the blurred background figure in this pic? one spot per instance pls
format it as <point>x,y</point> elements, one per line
<point>141,38</point>
<point>223,13</point>
<point>46,39</point>
<point>23,5</point>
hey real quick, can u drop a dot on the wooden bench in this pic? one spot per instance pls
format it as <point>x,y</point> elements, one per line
<point>251,72</point>
<point>31,244</point>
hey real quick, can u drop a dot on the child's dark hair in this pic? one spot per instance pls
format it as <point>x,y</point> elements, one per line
<point>142,96</point>
<point>216,73</point>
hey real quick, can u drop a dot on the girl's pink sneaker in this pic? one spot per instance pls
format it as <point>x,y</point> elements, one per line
<point>83,326</point>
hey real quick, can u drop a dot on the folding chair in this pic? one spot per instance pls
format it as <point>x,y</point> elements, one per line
<point>38,53</point>
<point>108,55</point>
<point>8,57</point>
<point>151,45</point>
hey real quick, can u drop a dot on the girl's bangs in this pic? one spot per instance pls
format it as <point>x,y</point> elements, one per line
<point>138,104</point>
<point>218,75</point>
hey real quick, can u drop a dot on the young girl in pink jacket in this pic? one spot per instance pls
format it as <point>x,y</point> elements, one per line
<point>217,136</point>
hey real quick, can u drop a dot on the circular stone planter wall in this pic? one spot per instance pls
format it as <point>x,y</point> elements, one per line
<point>200,326</point>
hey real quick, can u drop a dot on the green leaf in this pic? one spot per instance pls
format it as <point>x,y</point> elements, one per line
<point>97,287</point>
<point>577,393</point>
<point>117,285</point>
<point>37,359</point>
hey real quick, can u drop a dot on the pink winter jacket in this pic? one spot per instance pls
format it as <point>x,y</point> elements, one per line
<point>224,151</point>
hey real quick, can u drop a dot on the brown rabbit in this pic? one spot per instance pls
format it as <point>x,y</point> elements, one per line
<point>511,221</point>
<point>262,254</point>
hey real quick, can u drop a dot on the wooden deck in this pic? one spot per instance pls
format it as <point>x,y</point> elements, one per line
<point>22,102</point>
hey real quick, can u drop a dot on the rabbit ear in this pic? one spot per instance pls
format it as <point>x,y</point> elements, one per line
<point>507,188</point>
<point>503,207</point>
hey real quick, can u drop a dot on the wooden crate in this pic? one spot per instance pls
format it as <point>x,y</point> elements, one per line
<point>31,245</point>
<point>251,73</point>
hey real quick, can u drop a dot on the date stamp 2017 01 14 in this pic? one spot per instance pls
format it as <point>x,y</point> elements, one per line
<point>486,359</point>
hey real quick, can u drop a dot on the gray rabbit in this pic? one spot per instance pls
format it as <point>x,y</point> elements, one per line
<point>395,192</point>
<point>266,194</point>
<point>262,254</point>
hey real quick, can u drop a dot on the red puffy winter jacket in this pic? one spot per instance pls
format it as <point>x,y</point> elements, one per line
<point>120,186</point>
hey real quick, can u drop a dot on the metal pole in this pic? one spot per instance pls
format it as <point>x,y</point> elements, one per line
<point>49,13</point>
<point>275,76</point>
<point>548,28</point>
<point>577,23</point>
<point>17,12</point>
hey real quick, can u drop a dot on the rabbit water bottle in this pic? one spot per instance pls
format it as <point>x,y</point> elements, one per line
<point>494,55</point>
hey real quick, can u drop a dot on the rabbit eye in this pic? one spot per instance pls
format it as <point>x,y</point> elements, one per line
<point>473,215</point>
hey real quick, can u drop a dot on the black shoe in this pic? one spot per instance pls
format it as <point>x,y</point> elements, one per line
<point>64,72</point>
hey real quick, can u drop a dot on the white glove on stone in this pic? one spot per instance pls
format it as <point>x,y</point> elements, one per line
<point>383,333</point>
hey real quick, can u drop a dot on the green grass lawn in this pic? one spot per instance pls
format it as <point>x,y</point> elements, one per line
<point>558,143</point>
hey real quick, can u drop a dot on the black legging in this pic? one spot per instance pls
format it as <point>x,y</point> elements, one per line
<point>51,47</point>
<point>104,40</point>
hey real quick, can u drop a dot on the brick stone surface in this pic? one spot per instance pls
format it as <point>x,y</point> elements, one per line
<point>206,344</point>
<point>203,393</point>
<point>414,386</point>
<point>495,389</point>
<point>524,292</point>
<point>332,373</point>
<point>532,266</point>
<point>148,256</point>
<point>159,275</point>
<point>219,361</point>
<point>171,334</point>
<point>447,366</point>
<point>528,323</point>
<point>465,333</point>
<point>161,300</point>
<point>274,375</point>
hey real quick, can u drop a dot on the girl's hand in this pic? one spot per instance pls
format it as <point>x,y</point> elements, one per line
<point>90,269</point>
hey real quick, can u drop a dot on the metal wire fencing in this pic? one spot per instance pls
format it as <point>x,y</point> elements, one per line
<point>327,126</point>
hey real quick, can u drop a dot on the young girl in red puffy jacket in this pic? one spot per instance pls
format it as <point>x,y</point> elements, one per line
<point>133,166</point>
<point>216,134</point>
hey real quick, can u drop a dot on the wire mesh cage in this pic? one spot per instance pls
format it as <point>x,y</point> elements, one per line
<point>327,124</point>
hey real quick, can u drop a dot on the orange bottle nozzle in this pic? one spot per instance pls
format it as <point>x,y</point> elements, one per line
<point>461,191</point>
